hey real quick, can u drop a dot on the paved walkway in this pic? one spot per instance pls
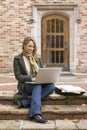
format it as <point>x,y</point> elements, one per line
<point>50,125</point>
<point>8,81</point>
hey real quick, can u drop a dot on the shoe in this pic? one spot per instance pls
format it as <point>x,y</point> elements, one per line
<point>38,118</point>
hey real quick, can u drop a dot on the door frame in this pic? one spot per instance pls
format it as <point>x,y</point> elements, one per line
<point>65,35</point>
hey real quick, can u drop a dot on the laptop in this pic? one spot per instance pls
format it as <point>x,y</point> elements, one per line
<point>47,75</point>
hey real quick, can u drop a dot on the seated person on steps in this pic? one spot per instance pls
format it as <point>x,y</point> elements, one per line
<point>26,67</point>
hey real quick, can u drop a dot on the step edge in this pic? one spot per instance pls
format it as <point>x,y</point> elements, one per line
<point>58,109</point>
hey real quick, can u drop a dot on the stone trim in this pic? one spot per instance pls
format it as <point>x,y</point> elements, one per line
<point>58,7</point>
<point>55,6</point>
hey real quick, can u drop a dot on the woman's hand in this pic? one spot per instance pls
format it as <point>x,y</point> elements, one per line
<point>33,78</point>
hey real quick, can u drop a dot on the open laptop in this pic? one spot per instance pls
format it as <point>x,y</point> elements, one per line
<point>47,75</point>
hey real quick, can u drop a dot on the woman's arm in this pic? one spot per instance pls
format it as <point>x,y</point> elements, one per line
<point>19,73</point>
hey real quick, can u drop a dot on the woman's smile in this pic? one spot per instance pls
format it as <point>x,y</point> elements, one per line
<point>29,48</point>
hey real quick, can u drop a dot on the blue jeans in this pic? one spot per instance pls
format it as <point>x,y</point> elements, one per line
<point>37,92</point>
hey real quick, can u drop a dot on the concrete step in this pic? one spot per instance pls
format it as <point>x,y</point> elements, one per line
<point>50,125</point>
<point>50,112</point>
<point>6,97</point>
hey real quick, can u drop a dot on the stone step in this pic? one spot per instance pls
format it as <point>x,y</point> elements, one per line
<point>50,112</point>
<point>6,97</point>
<point>50,125</point>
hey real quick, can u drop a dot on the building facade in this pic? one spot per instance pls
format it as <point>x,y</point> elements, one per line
<point>59,28</point>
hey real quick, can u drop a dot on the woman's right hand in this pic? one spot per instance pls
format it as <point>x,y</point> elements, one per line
<point>33,78</point>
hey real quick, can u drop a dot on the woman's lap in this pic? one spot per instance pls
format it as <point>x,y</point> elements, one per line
<point>45,87</point>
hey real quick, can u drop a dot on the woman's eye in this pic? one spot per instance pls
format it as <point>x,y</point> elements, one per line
<point>31,46</point>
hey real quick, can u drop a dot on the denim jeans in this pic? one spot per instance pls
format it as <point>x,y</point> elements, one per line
<point>37,92</point>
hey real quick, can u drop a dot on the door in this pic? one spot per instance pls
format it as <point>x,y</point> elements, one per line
<point>55,41</point>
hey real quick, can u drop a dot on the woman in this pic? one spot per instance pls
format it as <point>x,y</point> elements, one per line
<point>26,66</point>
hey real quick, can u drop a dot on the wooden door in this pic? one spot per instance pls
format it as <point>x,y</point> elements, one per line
<point>55,41</point>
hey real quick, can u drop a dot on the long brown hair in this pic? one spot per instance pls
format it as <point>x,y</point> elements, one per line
<point>26,41</point>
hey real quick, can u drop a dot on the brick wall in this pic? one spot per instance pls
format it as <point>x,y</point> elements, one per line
<point>82,29</point>
<point>14,26</point>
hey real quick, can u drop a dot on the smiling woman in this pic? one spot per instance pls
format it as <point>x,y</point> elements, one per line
<point>26,66</point>
<point>29,52</point>
<point>29,48</point>
<point>29,45</point>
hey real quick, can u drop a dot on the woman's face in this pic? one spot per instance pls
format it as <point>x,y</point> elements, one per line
<point>29,48</point>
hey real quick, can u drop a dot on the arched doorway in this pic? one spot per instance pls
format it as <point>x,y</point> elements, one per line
<point>55,41</point>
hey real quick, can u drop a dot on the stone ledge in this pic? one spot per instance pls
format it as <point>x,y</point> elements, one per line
<point>7,95</point>
<point>56,109</point>
<point>50,125</point>
<point>10,94</point>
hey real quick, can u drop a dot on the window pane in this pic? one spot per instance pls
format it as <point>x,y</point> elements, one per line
<point>61,57</point>
<point>61,42</point>
<point>53,25</point>
<point>57,25</point>
<point>48,41</point>
<point>53,58</point>
<point>61,26</point>
<point>48,25</point>
<point>57,56</point>
<point>53,43</point>
<point>57,41</point>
